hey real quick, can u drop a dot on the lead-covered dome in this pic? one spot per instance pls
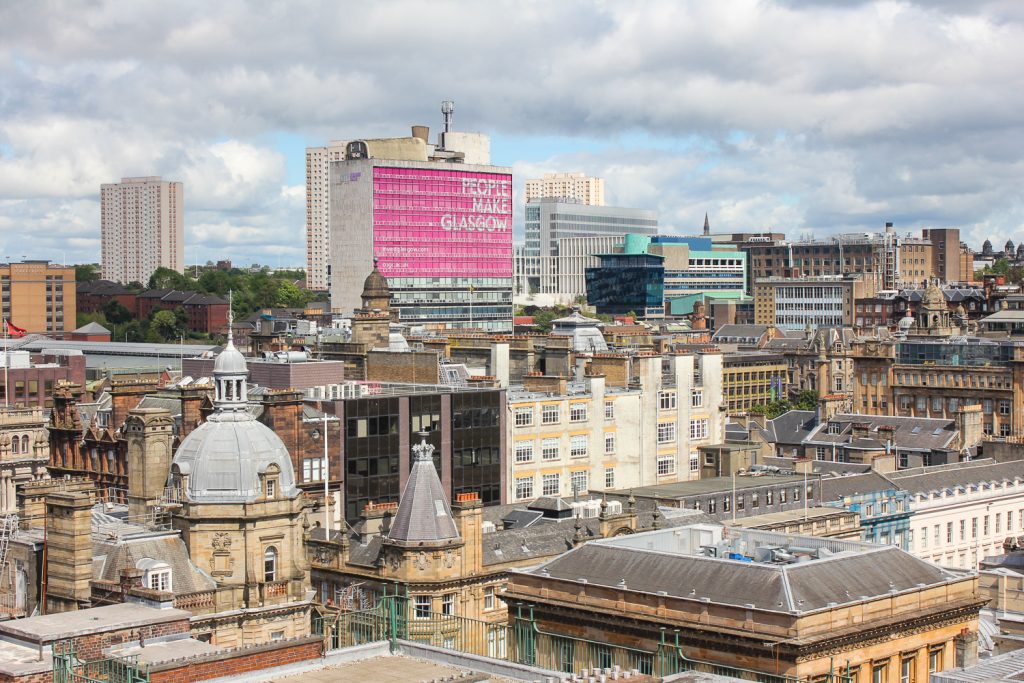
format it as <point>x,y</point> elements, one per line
<point>232,458</point>
<point>230,360</point>
<point>228,457</point>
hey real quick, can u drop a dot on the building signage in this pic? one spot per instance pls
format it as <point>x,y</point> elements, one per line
<point>442,223</point>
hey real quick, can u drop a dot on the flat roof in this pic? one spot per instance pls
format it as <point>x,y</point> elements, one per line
<point>790,516</point>
<point>391,668</point>
<point>52,627</point>
<point>697,487</point>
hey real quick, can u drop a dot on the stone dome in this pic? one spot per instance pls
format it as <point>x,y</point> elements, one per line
<point>933,297</point>
<point>375,285</point>
<point>224,458</point>
<point>906,322</point>
<point>1009,247</point>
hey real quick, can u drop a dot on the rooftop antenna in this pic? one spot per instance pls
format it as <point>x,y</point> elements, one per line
<point>447,109</point>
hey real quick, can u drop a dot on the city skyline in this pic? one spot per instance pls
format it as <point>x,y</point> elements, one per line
<point>805,118</point>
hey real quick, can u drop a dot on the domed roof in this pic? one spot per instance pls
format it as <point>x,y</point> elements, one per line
<point>933,296</point>
<point>224,457</point>
<point>1009,245</point>
<point>988,244</point>
<point>375,285</point>
<point>230,361</point>
<point>906,322</point>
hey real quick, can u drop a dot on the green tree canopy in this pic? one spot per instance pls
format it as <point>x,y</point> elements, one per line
<point>87,272</point>
<point>115,312</point>
<point>167,278</point>
<point>164,326</point>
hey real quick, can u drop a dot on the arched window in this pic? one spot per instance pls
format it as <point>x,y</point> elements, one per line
<point>14,445</point>
<point>270,564</point>
<point>24,443</point>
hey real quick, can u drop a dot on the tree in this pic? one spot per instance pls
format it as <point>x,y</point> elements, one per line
<point>115,312</point>
<point>772,409</point>
<point>87,272</point>
<point>543,317</point>
<point>130,332</point>
<point>166,278</point>
<point>164,326</point>
<point>83,319</point>
<point>806,400</point>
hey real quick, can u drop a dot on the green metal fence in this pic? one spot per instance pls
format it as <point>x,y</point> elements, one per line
<point>67,668</point>
<point>395,618</point>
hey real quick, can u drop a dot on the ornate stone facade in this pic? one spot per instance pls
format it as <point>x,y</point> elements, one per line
<point>24,451</point>
<point>242,519</point>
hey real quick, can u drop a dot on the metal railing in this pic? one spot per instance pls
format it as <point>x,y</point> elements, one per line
<point>395,618</point>
<point>67,668</point>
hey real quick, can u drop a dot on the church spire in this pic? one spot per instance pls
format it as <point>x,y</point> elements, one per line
<point>707,225</point>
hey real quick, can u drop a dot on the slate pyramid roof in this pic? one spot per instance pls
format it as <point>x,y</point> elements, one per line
<point>92,328</point>
<point>424,515</point>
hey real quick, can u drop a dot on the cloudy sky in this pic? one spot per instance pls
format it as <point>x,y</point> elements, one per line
<point>805,117</point>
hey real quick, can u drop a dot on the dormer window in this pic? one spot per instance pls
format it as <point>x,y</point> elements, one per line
<point>156,574</point>
<point>271,488</point>
<point>833,428</point>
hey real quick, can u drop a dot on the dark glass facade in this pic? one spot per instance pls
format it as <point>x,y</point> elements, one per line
<point>627,282</point>
<point>972,352</point>
<point>378,430</point>
<point>476,445</point>
<point>371,453</point>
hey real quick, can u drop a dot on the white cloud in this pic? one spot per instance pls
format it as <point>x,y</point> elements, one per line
<point>849,113</point>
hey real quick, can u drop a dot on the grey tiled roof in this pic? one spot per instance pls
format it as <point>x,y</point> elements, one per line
<point>1004,667</point>
<point>113,555</point>
<point>423,511</point>
<point>92,328</point>
<point>730,331</point>
<point>791,427</point>
<point>937,478</point>
<point>553,537</point>
<point>800,587</point>
<point>916,433</point>
<point>836,488</point>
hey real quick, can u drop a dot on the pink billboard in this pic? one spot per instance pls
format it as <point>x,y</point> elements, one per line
<point>442,223</point>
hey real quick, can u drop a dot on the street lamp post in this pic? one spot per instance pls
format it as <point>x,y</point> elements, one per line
<point>326,472</point>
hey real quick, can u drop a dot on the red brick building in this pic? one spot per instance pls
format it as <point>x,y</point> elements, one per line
<point>206,313</point>
<point>92,296</point>
<point>30,379</point>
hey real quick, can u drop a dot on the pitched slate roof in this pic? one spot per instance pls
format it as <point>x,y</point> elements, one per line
<point>790,588</point>
<point>92,328</point>
<point>912,433</point>
<point>424,515</point>
<point>732,331</point>
<point>939,477</point>
<point>792,427</point>
<point>836,488</point>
